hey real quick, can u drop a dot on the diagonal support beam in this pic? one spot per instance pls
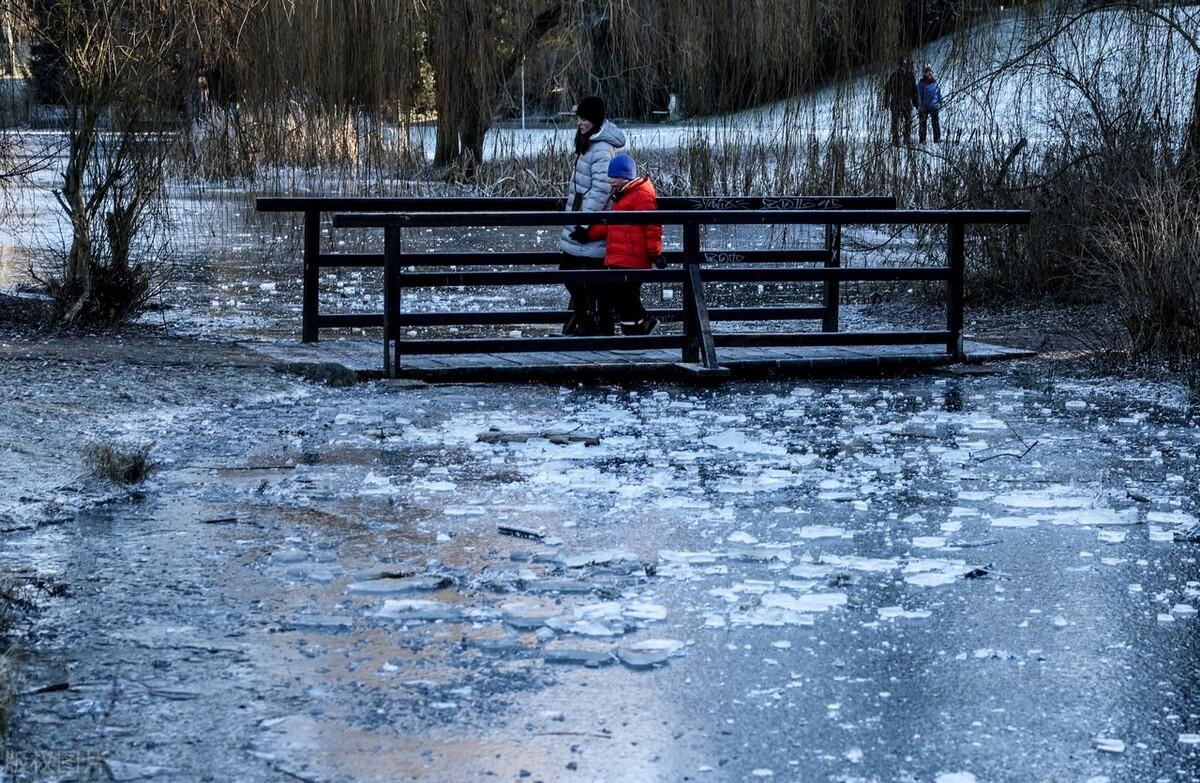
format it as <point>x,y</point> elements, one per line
<point>699,347</point>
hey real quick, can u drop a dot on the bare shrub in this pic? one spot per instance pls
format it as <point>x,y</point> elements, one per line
<point>121,464</point>
<point>12,604</point>
<point>8,685</point>
<point>1150,270</point>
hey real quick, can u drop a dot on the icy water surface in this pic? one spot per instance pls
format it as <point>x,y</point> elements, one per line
<point>926,579</point>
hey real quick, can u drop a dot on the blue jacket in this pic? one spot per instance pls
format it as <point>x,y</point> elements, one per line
<point>929,95</point>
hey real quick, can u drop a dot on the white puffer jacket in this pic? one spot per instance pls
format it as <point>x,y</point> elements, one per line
<point>590,186</point>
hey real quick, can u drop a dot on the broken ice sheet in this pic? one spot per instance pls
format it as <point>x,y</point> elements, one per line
<point>734,440</point>
<point>900,613</point>
<point>404,610</point>
<point>396,586</point>
<point>821,531</point>
<point>1094,516</point>
<point>934,573</point>
<point>1051,497</point>
<point>603,557</point>
<point>955,777</point>
<point>375,484</point>
<point>1017,522</point>
<point>571,655</point>
<point>649,653</point>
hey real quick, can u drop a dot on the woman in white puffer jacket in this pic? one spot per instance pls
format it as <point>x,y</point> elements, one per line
<point>596,143</point>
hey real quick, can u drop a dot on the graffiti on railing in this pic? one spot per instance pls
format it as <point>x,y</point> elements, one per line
<point>724,258</point>
<point>769,202</point>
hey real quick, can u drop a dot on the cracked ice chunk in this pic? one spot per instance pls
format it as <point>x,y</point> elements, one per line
<point>375,484</point>
<point>642,660</point>
<point>737,441</point>
<point>1014,522</point>
<point>669,646</point>
<point>900,613</point>
<point>1095,516</point>
<point>689,558</point>
<point>289,555</point>
<point>821,531</point>
<point>1050,498</point>
<point>404,610</point>
<point>603,557</point>
<point>589,658</point>
<point>399,586</point>
<point>813,602</point>
<point>643,611</point>
<point>933,573</point>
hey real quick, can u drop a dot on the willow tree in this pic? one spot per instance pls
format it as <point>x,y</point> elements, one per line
<point>728,55</point>
<point>311,81</point>
<point>475,48</point>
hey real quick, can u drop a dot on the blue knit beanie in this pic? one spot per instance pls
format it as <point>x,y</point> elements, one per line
<point>622,166</point>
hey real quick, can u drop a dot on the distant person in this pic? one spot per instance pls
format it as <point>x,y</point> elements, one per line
<point>596,142</point>
<point>628,247</point>
<point>900,98</point>
<point>929,96</point>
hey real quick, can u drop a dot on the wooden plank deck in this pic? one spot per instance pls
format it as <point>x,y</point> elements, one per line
<point>365,357</point>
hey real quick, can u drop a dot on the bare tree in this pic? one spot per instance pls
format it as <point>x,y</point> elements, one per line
<point>119,79</point>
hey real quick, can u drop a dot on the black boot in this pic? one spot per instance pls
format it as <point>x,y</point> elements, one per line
<point>642,327</point>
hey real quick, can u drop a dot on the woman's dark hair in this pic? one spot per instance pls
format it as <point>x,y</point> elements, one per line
<point>584,140</point>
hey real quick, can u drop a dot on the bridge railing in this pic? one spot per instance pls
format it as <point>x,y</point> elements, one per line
<point>315,260</point>
<point>698,343</point>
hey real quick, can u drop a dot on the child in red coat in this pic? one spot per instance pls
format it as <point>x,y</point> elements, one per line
<point>629,247</point>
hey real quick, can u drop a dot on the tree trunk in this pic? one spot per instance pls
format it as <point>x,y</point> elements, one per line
<point>1190,161</point>
<point>474,131</point>
<point>464,89</point>
<point>8,47</point>
<point>447,149</point>
<point>77,274</point>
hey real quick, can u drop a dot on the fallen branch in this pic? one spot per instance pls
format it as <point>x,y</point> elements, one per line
<point>1022,455</point>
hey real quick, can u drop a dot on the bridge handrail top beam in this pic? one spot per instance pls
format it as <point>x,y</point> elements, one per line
<point>436,203</point>
<point>682,217</point>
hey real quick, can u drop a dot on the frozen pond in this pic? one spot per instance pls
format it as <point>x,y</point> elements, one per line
<point>939,578</point>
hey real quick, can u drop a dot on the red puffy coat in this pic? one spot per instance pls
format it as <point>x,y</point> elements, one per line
<point>631,247</point>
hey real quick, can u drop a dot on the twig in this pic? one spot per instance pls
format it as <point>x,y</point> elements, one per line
<point>1022,455</point>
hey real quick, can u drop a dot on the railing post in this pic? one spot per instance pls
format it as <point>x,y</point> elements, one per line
<point>312,276</point>
<point>391,299</point>
<point>691,327</point>
<point>698,346</point>
<point>955,289</point>
<point>833,292</point>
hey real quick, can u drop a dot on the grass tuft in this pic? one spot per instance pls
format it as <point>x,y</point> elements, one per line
<point>119,463</point>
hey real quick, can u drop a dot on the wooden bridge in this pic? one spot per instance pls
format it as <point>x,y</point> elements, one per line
<point>697,349</point>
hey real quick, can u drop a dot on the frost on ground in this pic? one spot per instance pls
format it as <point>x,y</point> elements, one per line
<point>774,580</point>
